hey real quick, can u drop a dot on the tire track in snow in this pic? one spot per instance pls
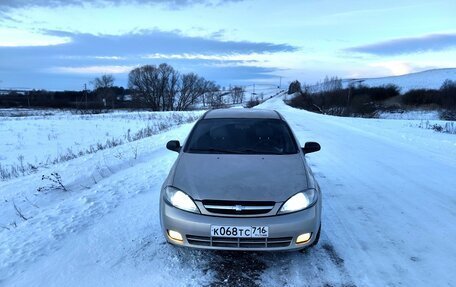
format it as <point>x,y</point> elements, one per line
<point>338,261</point>
<point>316,266</point>
<point>320,265</point>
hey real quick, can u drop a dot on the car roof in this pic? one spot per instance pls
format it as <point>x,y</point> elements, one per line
<point>241,114</point>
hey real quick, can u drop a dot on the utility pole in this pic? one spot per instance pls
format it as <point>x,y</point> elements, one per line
<point>85,93</point>
<point>28,99</point>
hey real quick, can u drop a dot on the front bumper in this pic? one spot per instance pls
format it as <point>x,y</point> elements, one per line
<point>196,229</point>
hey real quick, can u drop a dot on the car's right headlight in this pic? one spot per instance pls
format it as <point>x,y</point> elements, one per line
<point>180,199</point>
<point>299,201</point>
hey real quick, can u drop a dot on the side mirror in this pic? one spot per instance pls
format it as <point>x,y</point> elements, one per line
<point>311,147</point>
<point>174,146</point>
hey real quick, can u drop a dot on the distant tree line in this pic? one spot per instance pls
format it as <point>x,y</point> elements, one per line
<point>85,99</point>
<point>157,88</point>
<point>330,97</point>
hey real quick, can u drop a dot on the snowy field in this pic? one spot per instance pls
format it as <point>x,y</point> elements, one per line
<point>31,139</point>
<point>410,115</point>
<point>430,79</point>
<point>388,214</point>
<point>24,112</point>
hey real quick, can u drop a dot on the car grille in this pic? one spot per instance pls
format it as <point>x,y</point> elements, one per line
<point>239,242</point>
<point>238,207</point>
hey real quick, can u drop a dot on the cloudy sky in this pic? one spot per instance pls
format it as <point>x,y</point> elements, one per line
<point>62,44</point>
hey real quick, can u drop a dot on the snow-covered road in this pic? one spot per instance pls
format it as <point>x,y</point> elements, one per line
<point>389,198</point>
<point>389,214</point>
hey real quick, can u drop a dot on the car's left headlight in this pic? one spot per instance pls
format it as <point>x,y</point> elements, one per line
<point>180,199</point>
<point>299,201</point>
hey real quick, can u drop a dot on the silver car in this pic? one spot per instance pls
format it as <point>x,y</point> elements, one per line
<point>241,182</point>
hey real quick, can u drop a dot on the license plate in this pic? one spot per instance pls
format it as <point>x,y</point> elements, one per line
<point>239,231</point>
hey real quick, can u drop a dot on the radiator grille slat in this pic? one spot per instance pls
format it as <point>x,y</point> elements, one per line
<point>238,207</point>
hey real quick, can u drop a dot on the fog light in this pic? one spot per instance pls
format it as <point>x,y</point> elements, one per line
<point>303,238</point>
<point>175,235</point>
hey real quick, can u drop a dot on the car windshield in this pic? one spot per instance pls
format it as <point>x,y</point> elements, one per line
<point>241,136</point>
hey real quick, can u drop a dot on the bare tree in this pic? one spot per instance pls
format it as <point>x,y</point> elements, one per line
<point>448,92</point>
<point>167,86</point>
<point>192,88</point>
<point>295,87</point>
<point>163,88</point>
<point>143,82</point>
<point>155,87</point>
<point>213,95</point>
<point>331,84</point>
<point>105,81</point>
<point>103,88</point>
<point>237,95</point>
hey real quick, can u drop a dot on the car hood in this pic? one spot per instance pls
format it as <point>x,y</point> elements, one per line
<point>240,177</point>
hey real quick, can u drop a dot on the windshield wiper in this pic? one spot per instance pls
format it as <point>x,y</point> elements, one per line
<point>215,150</point>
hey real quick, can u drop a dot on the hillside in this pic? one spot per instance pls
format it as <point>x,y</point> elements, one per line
<point>430,79</point>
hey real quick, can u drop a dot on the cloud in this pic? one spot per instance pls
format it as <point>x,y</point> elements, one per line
<point>151,44</point>
<point>212,57</point>
<point>96,70</point>
<point>156,41</point>
<point>431,42</point>
<point>84,55</point>
<point>14,37</point>
<point>11,4</point>
<point>395,68</point>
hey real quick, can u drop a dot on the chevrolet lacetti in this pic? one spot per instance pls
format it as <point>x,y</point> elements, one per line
<point>241,182</point>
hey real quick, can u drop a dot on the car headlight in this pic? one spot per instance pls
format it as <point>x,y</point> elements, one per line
<point>180,199</point>
<point>299,201</point>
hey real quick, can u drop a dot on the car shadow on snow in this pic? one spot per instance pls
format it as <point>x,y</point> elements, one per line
<point>223,268</point>
<point>317,266</point>
<point>235,268</point>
